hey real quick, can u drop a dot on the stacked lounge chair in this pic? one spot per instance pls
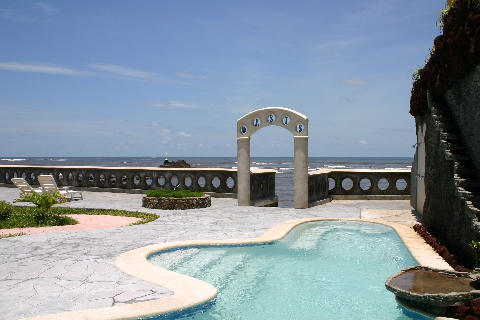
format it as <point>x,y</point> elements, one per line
<point>48,184</point>
<point>24,187</point>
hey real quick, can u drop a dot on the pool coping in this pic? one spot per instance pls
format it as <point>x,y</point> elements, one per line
<point>189,292</point>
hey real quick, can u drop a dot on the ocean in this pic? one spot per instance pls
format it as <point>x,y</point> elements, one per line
<point>283,165</point>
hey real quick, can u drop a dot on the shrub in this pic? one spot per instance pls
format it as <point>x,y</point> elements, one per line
<point>43,203</point>
<point>166,193</point>
<point>6,210</point>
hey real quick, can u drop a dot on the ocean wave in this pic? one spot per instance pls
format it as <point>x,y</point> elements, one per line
<point>13,159</point>
<point>336,167</point>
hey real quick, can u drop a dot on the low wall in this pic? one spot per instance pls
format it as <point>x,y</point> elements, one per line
<point>176,203</point>
<point>358,184</point>
<point>215,181</point>
<point>322,184</point>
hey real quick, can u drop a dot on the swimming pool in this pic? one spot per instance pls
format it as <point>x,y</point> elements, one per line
<point>320,270</point>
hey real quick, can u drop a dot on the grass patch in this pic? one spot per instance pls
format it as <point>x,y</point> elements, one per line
<point>23,217</point>
<point>12,235</point>
<point>146,217</point>
<point>166,193</point>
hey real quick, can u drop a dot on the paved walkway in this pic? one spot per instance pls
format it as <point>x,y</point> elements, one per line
<point>65,271</point>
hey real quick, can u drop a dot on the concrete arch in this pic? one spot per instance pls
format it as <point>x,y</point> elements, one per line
<point>289,119</point>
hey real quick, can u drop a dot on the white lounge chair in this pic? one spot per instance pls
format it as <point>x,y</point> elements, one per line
<point>48,184</point>
<point>24,187</point>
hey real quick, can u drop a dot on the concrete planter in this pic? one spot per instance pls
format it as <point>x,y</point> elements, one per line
<point>176,203</point>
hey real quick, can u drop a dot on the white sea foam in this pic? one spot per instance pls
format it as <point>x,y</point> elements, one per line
<point>336,167</point>
<point>12,159</point>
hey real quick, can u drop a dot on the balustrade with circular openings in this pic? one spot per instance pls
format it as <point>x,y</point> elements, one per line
<point>218,181</point>
<point>262,184</point>
<point>368,182</point>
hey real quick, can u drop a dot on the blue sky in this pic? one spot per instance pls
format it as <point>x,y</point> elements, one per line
<point>139,78</point>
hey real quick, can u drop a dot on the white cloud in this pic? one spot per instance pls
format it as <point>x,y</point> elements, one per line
<point>39,68</point>
<point>123,71</point>
<point>45,7</point>
<point>184,134</point>
<point>355,81</point>
<point>18,16</point>
<point>175,105</point>
<point>362,142</point>
<point>185,75</point>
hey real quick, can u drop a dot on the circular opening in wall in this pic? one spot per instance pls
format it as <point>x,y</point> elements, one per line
<point>7,176</point>
<point>383,184</point>
<point>102,178</point>
<point>347,184</point>
<point>70,177</point>
<point>331,183</point>
<point>187,181</point>
<point>32,176</point>
<point>91,177</point>
<point>148,181</point>
<point>263,183</point>
<point>15,175</point>
<point>136,180</point>
<point>174,181</point>
<point>80,177</point>
<point>24,175</point>
<point>401,184</point>
<point>365,184</point>
<point>271,118</point>
<point>230,183</point>
<point>60,176</point>
<point>124,180</point>
<point>216,182</point>
<point>113,179</point>
<point>202,182</point>
<point>243,129</point>
<point>161,181</point>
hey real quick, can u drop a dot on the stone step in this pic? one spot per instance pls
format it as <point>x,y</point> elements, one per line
<point>454,148</point>
<point>456,157</point>
<point>464,194</point>
<point>449,137</point>
<point>473,187</point>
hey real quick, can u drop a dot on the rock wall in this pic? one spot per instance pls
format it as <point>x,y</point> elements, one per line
<point>177,203</point>
<point>452,158</point>
<point>463,101</point>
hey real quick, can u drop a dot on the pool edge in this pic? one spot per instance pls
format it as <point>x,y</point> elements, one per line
<point>189,292</point>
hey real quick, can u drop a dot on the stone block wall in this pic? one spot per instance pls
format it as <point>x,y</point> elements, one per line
<point>463,101</point>
<point>452,163</point>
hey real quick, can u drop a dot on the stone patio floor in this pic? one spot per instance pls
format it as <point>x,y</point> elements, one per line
<point>65,271</point>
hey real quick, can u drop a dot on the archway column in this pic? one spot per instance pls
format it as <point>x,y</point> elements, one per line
<point>243,170</point>
<point>300,180</point>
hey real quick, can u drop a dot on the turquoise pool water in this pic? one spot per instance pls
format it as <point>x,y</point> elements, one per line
<point>320,270</point>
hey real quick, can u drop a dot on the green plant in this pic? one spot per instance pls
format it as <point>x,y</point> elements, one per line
<point>12,235</point>
<point>166,193</point>
<point>416,74</point>
<point>6,210</point>
<point>475,246</point>
<point>43,202</point>
<point>451,4</point>
<point>27,216</point>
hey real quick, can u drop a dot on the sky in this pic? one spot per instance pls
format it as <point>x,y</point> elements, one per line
<point>141,78</point>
